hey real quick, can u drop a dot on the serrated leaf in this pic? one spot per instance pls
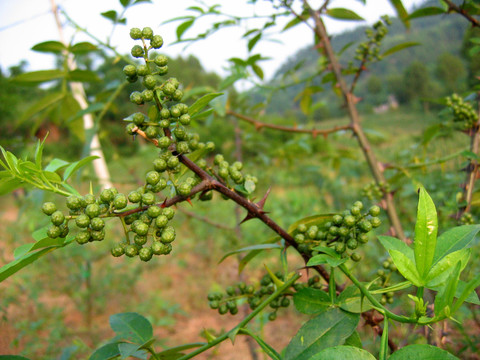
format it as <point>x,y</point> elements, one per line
<point>391,243</point>
<point>258,247</point>
<point>52,177</point>
<point>343,352</point>
<point>55,47</point>
<point>327,329</point>
<point>82,76</point>
<point>426,229</point>
<point>82,48</point>
<point>56,164</point>
<point>201,103</point>
<point>354,340</point>
<point>41,105</point>
<point>131,350</point>
<point>352,300</point>
<point>110,15</point>
<point>420,352</point>
<point>132,327</point>
<point>442,269</point>
<point>73,167</point>
<point>406,267</point>
<point>184,27</point>
<point>311,301</point>
<point>469,288</point>
<point>35,77</point>
<point>399,47</point>
<point>39,153</point>
<point>106,352</point>
<point>426,11</point>
<point>344,14</point>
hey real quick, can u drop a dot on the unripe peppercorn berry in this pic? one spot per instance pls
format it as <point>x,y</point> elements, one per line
<point>135,33</point>
<point>134,197</point>
<point>136,98</point>
<point>163,70</point>
<point>131,129</point>
<point>82,237</point>
<point>74,202</point>
<point>151,132</point>
<point>138,118</point>
<point>49,208</point>
<point>142,70</point>
<point>137,51</point>
<point>161,221</point>
<point>140,240</point>
<point>164,142</point>
<point>156,42</point>
<point>152,177</point>
<point>161,60</point>
<point>118,250</point>
<point>147,95</point>
<point>376,222</point>
<point>374,210</point>
<point>53,231</point>
<point>168,212</point>
<point>168,235</point>
<point>141,228</point>
<point>147,33</point>
<point>154,211</point>
<point>131,250</point>
<point>183,147</point>
<point>145,254</point>
<point>130,70</point>
<point>165,113</point>
<point>92,210</point>
<point>184,189</point>
<point>120,201</point>
<point>172,162</point>
<point>160,165</point>
<point>106,196</point>
<point>149,81</point>
<point>57,218</point>
<point>177,95</point>
<point>97,223</point>
<point>82,221</point>
<point>175,112</point>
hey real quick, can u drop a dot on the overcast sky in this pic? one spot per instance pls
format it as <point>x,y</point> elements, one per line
<point>23,23</point>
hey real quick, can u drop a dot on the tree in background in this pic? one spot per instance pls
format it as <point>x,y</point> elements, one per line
<point>450,70</point>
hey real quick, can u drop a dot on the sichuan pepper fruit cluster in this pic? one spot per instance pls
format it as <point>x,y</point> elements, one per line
<point>143,212</point>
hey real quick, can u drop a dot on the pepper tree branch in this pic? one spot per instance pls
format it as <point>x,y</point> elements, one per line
<point>259,125</point>
<point>455,8</point>
<point>374,164</point>
<point>472,171</point>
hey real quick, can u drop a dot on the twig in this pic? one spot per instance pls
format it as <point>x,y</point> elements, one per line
<point>455,8</point>
<point>315,132</point>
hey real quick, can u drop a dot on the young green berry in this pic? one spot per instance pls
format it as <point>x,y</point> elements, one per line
<point>161,60</point>
<point>147,33</point>
<point>131,129</point>
<point>177,95</point>
<point>183,147</point>
<point>97,223</point>
<point>164,142</point>
<point>152,177</point>
<point>184,189</point>
<point>159,248</point>
<point>137,51</point>
<point>362,238</point>
<point>92,210</point>
<point>156,42</point>
<point>374,210</point>
<point>210,146</point>
<point>141,228</point>
<point>337,219</point>
<point>168,235</point>
<point>349,220</point>
<point>134,196</point>
<point>352,243</point>
<point>117,250</point>
<point>49,208</point>
<point>175,111</point>
<point>97,235</point>
<point>136,98</point>
<point>145,254</point>
<point>148,198</point>
<point>340,247</point>
<point>163,70</point>
<point>82,221</point>
<point>150,82</point>
<point>82,237</point>
<point>130,70</point>
<point>57,218</point>
<point>355,210</point>
<point>140,240</point>
<point>358,204</point>
<point>365,226</point>
<point>161,221</point>
<point>165,113</point>
<point>142,70</point>
<point>169,213</point>
<point>147,95</point>
<point>106,196</point>
<point>299,238</point>
<point>376,222</point>
<point>54,231</point>
<point>169,89</point>
<point>356,257</point>
<point>172,162</point>
<point>74,202</point>
<point>120,201</point>
<point>154,211</point>
<point>131,250</point>
<point>135,33</point>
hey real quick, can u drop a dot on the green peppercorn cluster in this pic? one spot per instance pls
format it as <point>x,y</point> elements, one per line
<point>87,213</point>
<point>384,275</point>
<point>232,173</point>
<point>369,51</point>
<point>463,112</point>
<point>466,219</point>
<point>344,233</point>
<point>374,191</point>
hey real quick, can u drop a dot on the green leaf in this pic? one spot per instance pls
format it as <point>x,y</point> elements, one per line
<point>131,350</point>
<point>106,352</point>
<point>455,239</point>
<point>442,269</point>
<point>132,327</point>
<point>401,12</point>
<point>311,301</point>
<point>294,22</point>
<point>267,349</point>
<point>326,259</point>
<point>309,221</point>
<point>18,264</point>
<point>406,267</point>
<point>110,15</point>
<point>391,243</point>
<point>73,167</point>
<point>41,105</point>
<point>250,248</point>
<point>165,354</point>
<point>327,329</point>
<point>22,250</point>
<point>258,71</point>
<point>125,3</point>
<point>52,177</point>
<point>344,14</point>
<point>426,229</point>
<point>184,27</point>
<point>56,164</point>
<point>82,48</point>
<point>354,340</point>
<point>249,186</point>
<point>13,357</point>
<point>82,76</point>
<point>202,102</point>
<point>343,353</point>
<point>7,186</point>
<point>90,109</point>
<point>253,253</point>
<point>468,289</point>
<point>426,11</point>
<point>421,352</point>
<point>399,47</point>
<point>39,76</point>
<point>253,41</point>
<point>446,294</point>
<point>55,47</point>
<point>352,300</point>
